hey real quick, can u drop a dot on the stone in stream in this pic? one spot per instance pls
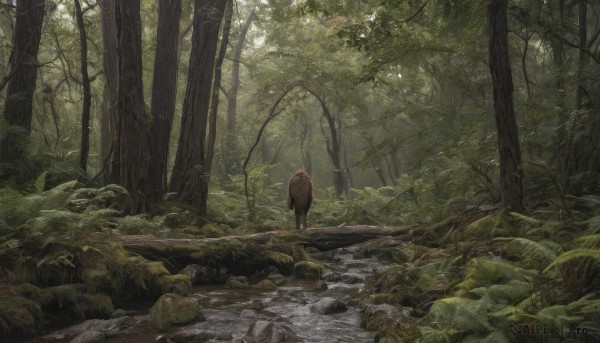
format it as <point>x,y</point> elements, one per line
<point>257,305</point>
<point>328,306</point>
<point>266,285</point>
<point>194,335</point>
<point>108,327</point>
<point>172,309</point>
<point>308,270</point>
<point>90,337</point>
<point>198,274</point>
<point>320,285</point>
<point>375,316</point>
<point>263,331</point>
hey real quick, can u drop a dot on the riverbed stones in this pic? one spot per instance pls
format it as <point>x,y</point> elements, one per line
<point>90,337</point>
<point>375,316</point>
<point>172,309</point>
<point>194,335</point>
<point>263,331</point>
<point>328,305</point>
<point>199,274</point>
<point>266,284</point>
<point>308,270</point>
<point>257,305</point>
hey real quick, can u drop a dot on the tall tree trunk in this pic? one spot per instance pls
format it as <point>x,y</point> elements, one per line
<point>333,147</point>
<point>164,93</point>
<point>231,141</point>
<point>214,103</point>
<point>189,177</point>
<point>581,53</point>
<point>18,106</point>
<point>304,149</point>
<point>133,128</point>
<point>87,95</point>
<point>511,173</point>
<point>109,121</point>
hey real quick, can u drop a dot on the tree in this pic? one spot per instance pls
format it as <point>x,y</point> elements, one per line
<point>164,91</point>
<point>23,68</point>
<point>110,118</point>
<point>511,174</point>
<point>87,96</point>
<point>231,161</point>
<point>133,125</point>
<point>189,177</point>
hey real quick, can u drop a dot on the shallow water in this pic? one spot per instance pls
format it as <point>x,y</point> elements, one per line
<point>229,311</point>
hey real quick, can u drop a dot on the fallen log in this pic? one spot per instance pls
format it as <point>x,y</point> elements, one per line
<point>199,250</point>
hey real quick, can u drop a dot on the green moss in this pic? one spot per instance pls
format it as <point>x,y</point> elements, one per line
<point>280,259</point>
<point>19,315</point>
<point>308,270</point>
<point>156,270</point>
<point>482,227</point>
<point>167,283</point>
<point>61,297</point>
<point>31,292</point>
<point>397,332</point>
<point>237,282</point>
<point>266,284</point>
<point>172,309</point>
<point>93,306</point>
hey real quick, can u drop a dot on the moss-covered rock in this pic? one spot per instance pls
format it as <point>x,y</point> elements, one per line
<point>392,332</point>
<point>375,316</point>
<point>172,309</point>
<point>308,270</point>
<point>19,315</point>
<point>266,285</point>
<point>482,227</point>
<point>382,248</point>
<point>167,283</point>
<point>283,261</point>
<point>237,282</point>
<point>93,306</point>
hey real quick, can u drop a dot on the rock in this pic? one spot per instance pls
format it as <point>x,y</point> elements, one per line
<point>118,313</point>
<point>183,288</point>
<point>323,256</point>
<point>375,316</point>
<point>194,335</point>
<point>397,332</point>
<point>267,332</point>
<point>320,284</point>
<point>167,283</point>
<point>108,327</point>
<point>172,309</point>
<point>277,279</point>
<point>344,278</point>
<point>237,282</point>
<point>308,270</point>
<point>90,337</point>
<point>328,306</point>
<point>257,305</point>
<point>19,315</point>
<point>266,284</point>
<point>93,306</point>
<point>198,274</point>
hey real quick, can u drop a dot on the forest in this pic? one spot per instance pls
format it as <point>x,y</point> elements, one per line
<point>147,150</point>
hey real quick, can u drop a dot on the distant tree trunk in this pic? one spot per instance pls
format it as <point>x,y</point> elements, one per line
<point>164,93</point>
<point>304,149</point>
<point>133,128</point>
<point>583,164</point>
<point>189,177</point>
<point>511,174</point>
<point>214,103</point>
<point>87,95</point>
<point>581,53</point>
<point>333,146</point>
<point>18,106</point>
<point>109,121</point>
<point>231,141</point>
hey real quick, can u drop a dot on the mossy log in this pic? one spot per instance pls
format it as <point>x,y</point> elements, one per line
<point>325,238</point>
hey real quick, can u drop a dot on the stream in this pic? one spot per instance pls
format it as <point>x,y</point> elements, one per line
<point>231,312</point>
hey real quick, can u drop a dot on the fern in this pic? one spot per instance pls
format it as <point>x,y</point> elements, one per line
<point>530,250</point>
<point>573,255</point>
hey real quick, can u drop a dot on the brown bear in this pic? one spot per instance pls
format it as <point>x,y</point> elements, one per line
<point>300,196</point>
